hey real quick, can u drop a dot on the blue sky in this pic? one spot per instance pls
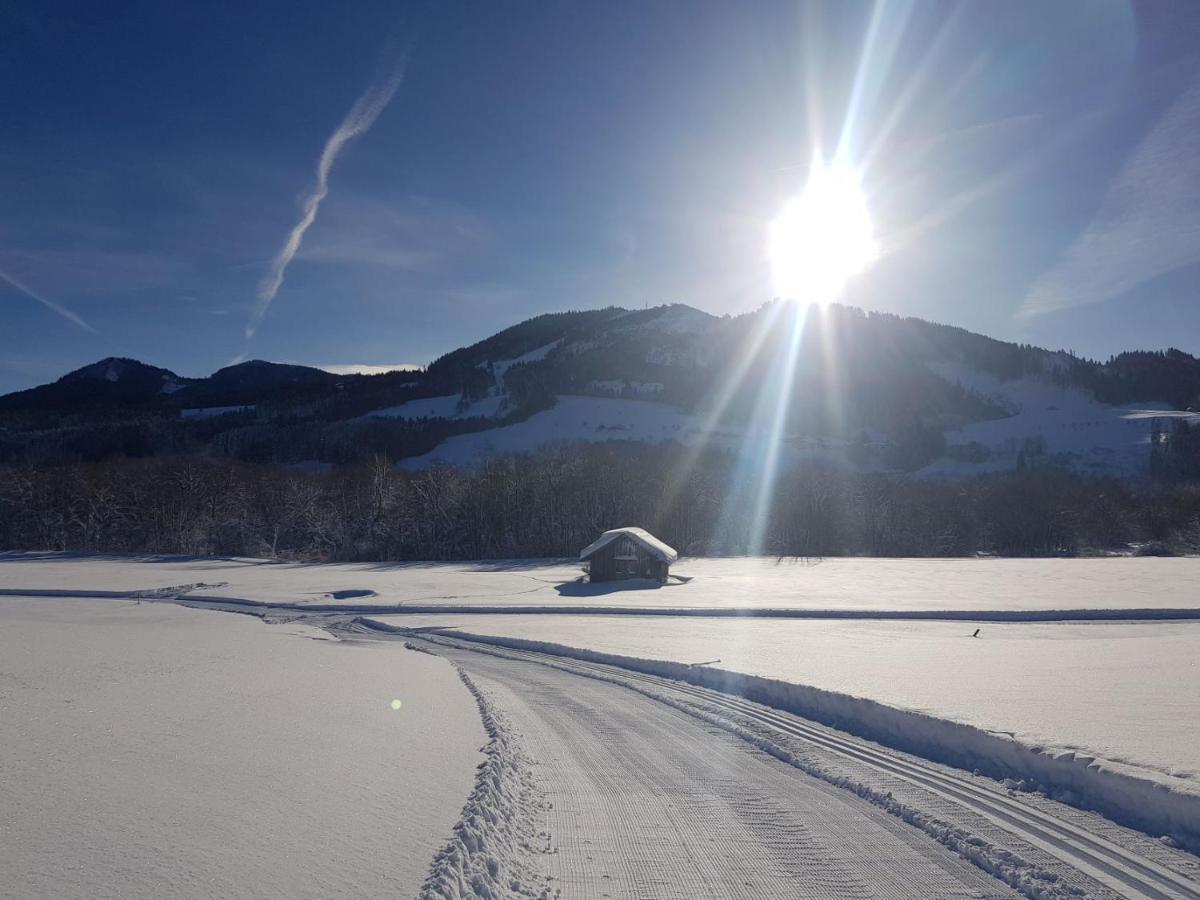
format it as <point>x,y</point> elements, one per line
<point>1033,169</point>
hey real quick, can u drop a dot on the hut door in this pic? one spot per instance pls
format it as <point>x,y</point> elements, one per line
<point>626,559</point>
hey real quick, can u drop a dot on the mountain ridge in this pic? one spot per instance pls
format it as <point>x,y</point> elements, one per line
<point>882,391</point>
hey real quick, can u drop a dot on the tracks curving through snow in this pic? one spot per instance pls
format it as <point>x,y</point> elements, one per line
<point>1121,870</point>
<point>643,800</point>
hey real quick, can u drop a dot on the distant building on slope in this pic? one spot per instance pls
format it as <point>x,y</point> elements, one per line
<point>628,553</point>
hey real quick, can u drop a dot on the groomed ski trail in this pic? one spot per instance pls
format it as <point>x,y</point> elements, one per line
<point>1066,853</point>
<point>643,800</point>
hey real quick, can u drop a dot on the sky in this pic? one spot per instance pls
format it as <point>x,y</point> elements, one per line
<point>378,183</point>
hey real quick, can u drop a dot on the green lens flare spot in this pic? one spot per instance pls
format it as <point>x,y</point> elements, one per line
<point>396,704</point>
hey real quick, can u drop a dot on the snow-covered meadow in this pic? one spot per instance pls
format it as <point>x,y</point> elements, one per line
<point>1125,692</point>
<point>217,693</point>
<point>156,751</point>
<point>849,585</point>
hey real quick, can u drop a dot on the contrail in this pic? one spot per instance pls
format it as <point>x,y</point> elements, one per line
<point>49,304</point>
<point>359,119</point>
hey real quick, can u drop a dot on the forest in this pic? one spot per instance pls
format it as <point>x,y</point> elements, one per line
<point>553,504</point>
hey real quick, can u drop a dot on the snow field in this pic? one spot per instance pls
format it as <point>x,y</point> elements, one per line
<point>573,419</point>
<point>646,800</point>
<point>850,585</point>
<point>1123,692</point>
<point>1147,699</point>
<point>208,412</point>
<point>446,407</point>
<point>1094,437</point>
<point>151,751</point>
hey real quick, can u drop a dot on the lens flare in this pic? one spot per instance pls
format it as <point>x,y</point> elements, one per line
<point>823,237</point>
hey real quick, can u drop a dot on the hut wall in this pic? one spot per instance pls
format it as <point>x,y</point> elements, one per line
<point>612,562</point>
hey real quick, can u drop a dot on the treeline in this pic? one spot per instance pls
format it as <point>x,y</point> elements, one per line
<point>1175,451</point>
<point>556,503</point>
<point>1171,376</point>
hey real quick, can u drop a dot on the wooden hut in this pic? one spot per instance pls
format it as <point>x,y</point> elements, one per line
<point>628,553</point>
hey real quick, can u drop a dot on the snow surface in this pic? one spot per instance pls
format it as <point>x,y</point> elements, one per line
<point>644,800</point>
<point>679,318</point>
<point>619,386</point>
<point>152,751</point>
<point>1124,692</point>
<point>857,586</point>
<point>659,549</point>
<point>207,412</point>
<point>1067,424</point>
<point>1073,426</point>
<point>1042,780</point>
<point>446,407</point>
<point>574,419</point>
<point>216,697</point>
<point>500,367</point>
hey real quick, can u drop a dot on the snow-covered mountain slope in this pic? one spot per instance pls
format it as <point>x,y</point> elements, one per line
<point>870,391</point>
<point>452,406</point>
<point>571,420</point>
<point>1051,422</point>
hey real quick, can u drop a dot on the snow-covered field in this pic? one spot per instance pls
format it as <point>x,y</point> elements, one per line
<point>643,800</point>
<point>1124,692</point>
<point>152,751</point>
<point>856,586</point>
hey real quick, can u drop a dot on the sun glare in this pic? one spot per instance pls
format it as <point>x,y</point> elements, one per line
<point>823,237</point>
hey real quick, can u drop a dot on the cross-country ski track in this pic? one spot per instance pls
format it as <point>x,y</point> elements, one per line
<point>655,788</point>
<point>626,769</point>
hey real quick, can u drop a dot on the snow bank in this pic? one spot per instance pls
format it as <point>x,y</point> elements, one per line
<point>1038,683</point>
<point>1115,791</point>
<point>1028,878</point>
<point>492,852</point>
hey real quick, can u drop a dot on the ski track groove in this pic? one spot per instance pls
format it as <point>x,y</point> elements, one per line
<point>647,801</point>
<point>1117,869</point>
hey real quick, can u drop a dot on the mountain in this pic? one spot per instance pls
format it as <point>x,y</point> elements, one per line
<point>866,390</point>
<point>117,384</point>
<point>114,382</point>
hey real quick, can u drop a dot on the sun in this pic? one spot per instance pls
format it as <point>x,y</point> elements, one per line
<point>823,237</point>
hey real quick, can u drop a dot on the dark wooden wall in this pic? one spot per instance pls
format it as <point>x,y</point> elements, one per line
<point>605,565</point>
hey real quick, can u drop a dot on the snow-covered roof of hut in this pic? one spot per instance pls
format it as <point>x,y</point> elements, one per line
<point>652,544</point>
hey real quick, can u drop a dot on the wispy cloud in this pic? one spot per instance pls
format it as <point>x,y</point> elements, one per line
<point>49,304</point>
<point>358,120</point>
<point>1147,224</point>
